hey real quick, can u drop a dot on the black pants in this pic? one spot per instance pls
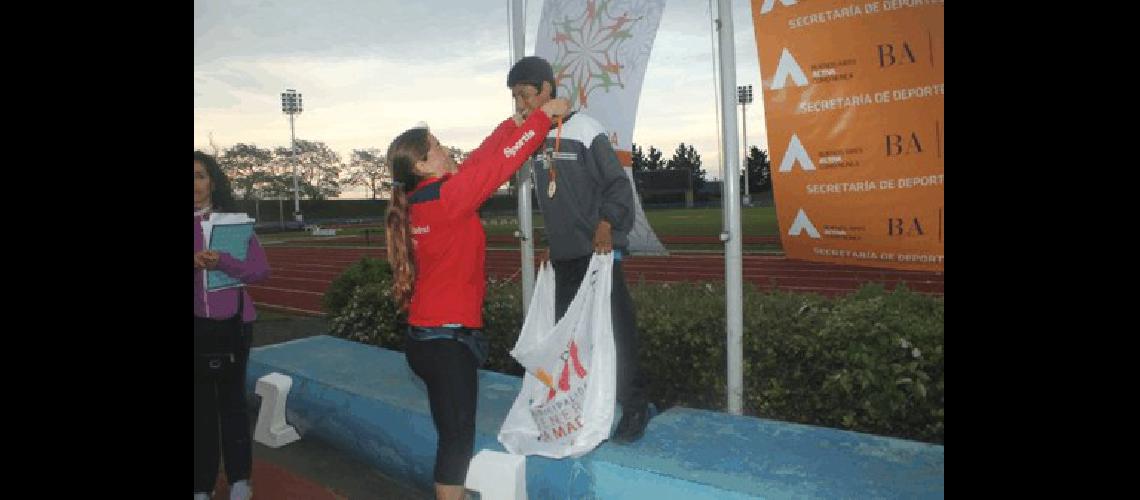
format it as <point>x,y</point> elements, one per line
<point>448,368</point>
<point>568,275</point>
<point>223,404</point>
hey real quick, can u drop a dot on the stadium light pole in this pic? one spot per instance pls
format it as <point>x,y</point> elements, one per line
<point>291,105</point>
<point>744,97</point>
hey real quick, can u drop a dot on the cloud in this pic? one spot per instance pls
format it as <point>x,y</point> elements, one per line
<point>390,28</point>
<point>359,102</point>
<point>368,69</point>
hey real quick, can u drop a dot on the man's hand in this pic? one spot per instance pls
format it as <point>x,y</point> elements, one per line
<point>603,238</point>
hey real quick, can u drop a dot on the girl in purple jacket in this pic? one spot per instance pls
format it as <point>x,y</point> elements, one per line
<point>222,338</point>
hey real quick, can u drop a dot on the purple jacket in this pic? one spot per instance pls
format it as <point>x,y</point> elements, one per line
<point>222,304</point>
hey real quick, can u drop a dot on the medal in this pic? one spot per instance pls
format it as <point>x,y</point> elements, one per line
<point>552,186</point>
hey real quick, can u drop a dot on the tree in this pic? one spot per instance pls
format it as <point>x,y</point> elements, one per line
<point>270,186</point>
<point>368,168</point>
<point>637,161</point>
<point>687,158</point>
<point>216,152</point>
<point>643,161</point>
<point>320,167</point>
<point>457,154</point>
<point>759,171</point>
<point>279,175</point>
<point>243,164</point>
<point>257,173</point>
<point>654,161</point>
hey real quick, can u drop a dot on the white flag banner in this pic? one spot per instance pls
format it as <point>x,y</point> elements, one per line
<point>599,50</point>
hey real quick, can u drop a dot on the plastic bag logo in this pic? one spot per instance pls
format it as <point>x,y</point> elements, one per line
<point>569,358</point>
<point>560,416</point>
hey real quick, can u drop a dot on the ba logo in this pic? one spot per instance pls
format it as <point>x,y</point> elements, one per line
<point>796,153</point>
<point>898,144</point>
<point>904,227</point>
<point>801,224</point>
<point>569,359</point>
<point>768,4</point>
<point>788,68</point>
<point>888,57</point>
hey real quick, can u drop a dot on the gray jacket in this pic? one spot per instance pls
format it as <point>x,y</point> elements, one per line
<point>591,185</point>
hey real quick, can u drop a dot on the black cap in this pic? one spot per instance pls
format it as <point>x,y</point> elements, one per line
<point>532,70</point>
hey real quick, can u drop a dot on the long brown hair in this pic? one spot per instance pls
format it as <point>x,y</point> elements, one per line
<point>221,194</point>
<point>406,149</point>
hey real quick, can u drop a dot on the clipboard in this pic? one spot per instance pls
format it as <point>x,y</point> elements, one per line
<point>229,233</point>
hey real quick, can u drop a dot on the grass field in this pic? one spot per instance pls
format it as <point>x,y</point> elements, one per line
<point>756,221</point>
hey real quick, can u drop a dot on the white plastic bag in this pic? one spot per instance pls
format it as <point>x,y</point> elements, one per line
<point>566,405</point>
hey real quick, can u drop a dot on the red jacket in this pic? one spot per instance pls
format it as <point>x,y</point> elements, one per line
<point>449,245</point>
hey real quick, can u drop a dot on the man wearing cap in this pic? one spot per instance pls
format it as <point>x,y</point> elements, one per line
<point>587,203</point>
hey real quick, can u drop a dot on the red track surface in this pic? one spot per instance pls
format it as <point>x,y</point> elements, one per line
<point>378,239</point>
<point>301,275</point>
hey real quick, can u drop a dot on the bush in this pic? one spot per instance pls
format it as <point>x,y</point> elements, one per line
<point>502,323</point>
<point>871,361</point>
<point>370,318</point>
<point>367,270</point>
<point>359,303</point>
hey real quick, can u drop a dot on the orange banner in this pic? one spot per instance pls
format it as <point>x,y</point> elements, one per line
<point>854,103</point>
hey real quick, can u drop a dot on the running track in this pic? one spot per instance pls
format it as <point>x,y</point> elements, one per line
<point>301,275</point>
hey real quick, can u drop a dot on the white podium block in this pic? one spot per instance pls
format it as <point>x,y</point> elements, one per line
<point>497,476</point>
<point>271,429</point>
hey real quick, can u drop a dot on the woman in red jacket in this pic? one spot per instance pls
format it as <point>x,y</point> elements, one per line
<point>436,247</point>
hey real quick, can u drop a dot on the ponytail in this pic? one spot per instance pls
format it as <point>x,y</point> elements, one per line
<point>399,240</point>
<point>405,150</point>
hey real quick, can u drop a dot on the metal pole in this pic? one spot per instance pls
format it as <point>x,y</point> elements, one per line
<point>715,49</point>
<point>526,227</point>
<point>296,189</point>
<point>744,125</point>
<point>734,320</point>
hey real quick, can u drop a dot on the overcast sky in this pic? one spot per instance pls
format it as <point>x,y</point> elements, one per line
<point>368,69</point>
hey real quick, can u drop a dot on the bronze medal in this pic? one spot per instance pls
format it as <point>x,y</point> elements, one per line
<point>552,186</point>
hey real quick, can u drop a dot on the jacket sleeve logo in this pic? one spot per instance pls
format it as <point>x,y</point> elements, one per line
<point>513,150</point>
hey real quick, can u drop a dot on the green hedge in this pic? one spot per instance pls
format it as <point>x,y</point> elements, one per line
<point>366,271</point>
<point>871,361</point>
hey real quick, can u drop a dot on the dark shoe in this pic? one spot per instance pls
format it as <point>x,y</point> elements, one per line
<point>632,424</point>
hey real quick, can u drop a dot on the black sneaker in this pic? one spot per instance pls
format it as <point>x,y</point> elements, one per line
<point>632,424</point>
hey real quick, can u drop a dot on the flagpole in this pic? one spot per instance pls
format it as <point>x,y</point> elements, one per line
<point>525,233</point>
<point>734,319</point>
